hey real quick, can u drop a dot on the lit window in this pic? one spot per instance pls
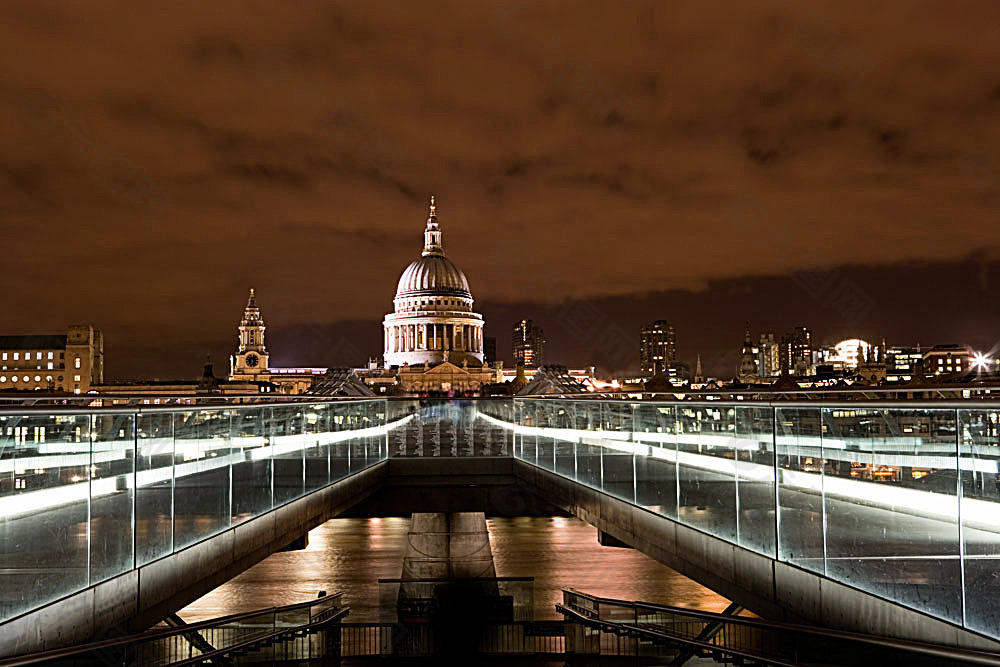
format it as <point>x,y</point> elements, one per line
<point>38,355</point>
<point>50,355</point>
<point>5,356</point>
<point>50,365</point>
<point>17,355</point>
<point>25,378</point>
<point>76,362</point>
<point>76,378</point>
<point>3,378</point>
<point>38,378</point>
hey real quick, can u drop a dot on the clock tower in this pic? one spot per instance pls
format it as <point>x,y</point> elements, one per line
<point>251,357</point>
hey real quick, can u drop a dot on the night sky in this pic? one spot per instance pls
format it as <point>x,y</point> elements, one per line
<point>832,164</point>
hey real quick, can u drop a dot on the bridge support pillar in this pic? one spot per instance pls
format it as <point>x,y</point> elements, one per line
<point>298,544</point>
<point>608,540</point>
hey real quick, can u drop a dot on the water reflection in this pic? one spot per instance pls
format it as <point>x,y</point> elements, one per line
<point>351,554</point>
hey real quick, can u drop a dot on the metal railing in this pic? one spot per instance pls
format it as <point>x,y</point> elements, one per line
<point>899,500</point>
<point>601,625</point>
<point>87,494</point>
<point>304,630</point>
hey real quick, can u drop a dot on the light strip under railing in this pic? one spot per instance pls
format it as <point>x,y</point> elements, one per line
<point>975,512</point>
<point>200,451</point>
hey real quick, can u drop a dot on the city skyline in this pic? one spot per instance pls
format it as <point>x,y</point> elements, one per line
<point>182,159</point>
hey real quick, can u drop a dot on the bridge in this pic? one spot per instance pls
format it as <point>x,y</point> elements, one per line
<point>867,516</point>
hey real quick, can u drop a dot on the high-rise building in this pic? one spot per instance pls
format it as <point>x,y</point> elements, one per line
<point>528,344</point>
<point>769,355</point>
<point>657,348</point>
<point>802,351</point>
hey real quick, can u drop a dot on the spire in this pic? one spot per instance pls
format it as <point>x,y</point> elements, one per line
<point>432,234</point>
<point>251,302</point>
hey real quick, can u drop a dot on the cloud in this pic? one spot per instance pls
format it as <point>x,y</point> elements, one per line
<point>601,153</point>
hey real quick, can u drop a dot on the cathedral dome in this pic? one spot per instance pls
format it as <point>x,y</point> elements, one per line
<point>433,275</point>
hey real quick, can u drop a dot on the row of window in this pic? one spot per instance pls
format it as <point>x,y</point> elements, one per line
<point>51,366</point>
<point>27,355</point>
<point>16,356</point>
<point>38,378</point>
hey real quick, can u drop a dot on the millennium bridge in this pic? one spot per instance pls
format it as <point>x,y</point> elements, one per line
<point>878,516</point>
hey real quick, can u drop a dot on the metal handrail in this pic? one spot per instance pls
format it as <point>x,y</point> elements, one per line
<point>153,408</point>
<point>649,633</point>
<point>923,648</point>
<point>918,404</point>
<point>310,627</point>
<point>159,633</point>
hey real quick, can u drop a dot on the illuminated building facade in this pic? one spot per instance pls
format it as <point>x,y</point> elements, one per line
<point>528,341</point>
<point>433,337</point>
<point>946,360</point>
<point>769,355</point>
<point>902,363</point>
<point>69,362</point>
<point>657,348</point>
<point>251,362</point>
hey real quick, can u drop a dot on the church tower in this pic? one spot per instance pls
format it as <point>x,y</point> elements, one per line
<point>748,361</point>
<point>251,355</point>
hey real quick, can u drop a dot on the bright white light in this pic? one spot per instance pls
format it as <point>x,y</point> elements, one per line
<point>980,361</point>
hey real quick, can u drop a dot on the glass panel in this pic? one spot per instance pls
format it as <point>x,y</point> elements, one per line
<point>546,416</point>
<point>285,429</point>
<point>980,458</point>
<point>706,469</point>
<point>754,446</point>
<point>616,440</point>
<point>656,473</point>
<point>154,487</point>
<point>564,447</point>
<point>355,419</point>
<point>111,487</point>
<point>251,464</point>
<point>376,441</point>
<point>316,423</point>
<point>340,444</point>
<point>891,502</point>
<point>44,493</point>
<point>798,446</point>
<point>589,455</point>
<point>201,475</point>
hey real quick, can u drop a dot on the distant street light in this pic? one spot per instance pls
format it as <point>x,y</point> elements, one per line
<point>981,362</point>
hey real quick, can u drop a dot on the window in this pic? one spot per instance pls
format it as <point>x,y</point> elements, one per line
<point>50,365</point>
<point>25,378</point>
<point>17,355</point>
<point>76,362</point>
<point>76,378</point>
<point>50,355</point>
<point>38,378</point>
<point>5,356</point>
<point>38,355</point>
<point>3,378</point>
<point>13,378</point>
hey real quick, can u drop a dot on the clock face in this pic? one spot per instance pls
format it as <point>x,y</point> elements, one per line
<point>252,360</point>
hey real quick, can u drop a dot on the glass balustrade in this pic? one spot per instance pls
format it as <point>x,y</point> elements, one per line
<point>88,495</point>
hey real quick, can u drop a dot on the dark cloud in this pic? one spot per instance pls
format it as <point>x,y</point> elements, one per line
<point>160,162</point>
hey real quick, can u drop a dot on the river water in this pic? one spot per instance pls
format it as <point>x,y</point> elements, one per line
<point>351,554</point>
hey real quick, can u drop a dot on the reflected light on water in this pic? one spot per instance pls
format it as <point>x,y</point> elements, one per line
<point>352,554</point>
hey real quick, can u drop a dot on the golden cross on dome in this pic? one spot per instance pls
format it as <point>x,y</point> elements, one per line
<point>433,207</point>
